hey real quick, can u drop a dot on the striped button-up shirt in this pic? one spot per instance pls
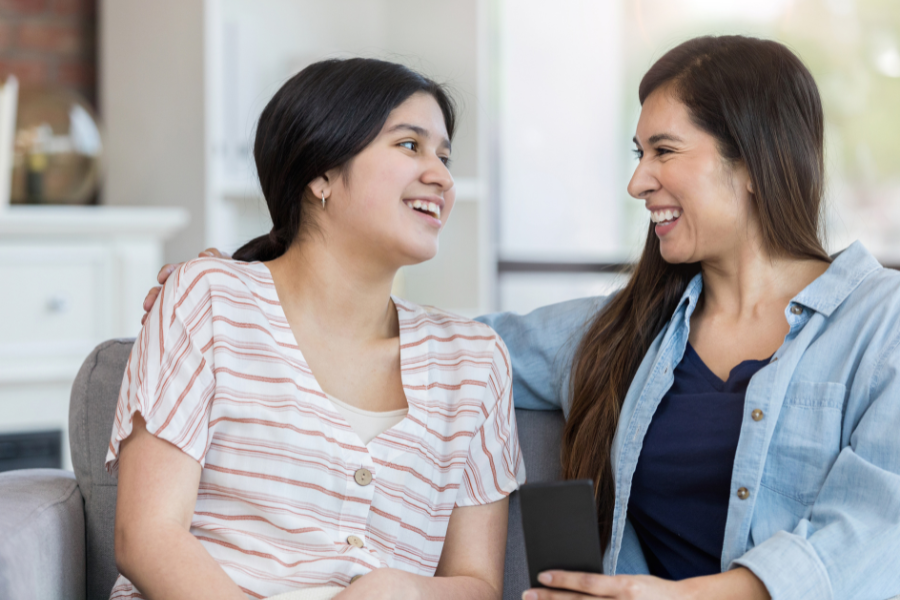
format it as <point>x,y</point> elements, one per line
<point>289,496</point>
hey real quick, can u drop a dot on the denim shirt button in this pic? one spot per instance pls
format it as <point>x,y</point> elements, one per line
<point>797,310</point>
<point>743,493</point>
<point>757,414</point>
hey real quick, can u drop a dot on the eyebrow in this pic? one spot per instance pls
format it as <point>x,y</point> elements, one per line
<point>421,131</point>
<point>659,137</point>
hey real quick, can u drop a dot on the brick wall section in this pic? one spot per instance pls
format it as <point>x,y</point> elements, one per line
<point>50,42</point>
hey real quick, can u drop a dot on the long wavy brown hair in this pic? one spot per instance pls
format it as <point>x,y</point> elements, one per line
<point>761,104</point>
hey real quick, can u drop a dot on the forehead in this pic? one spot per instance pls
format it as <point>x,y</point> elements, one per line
<point>421,110</point>
<point>663,113</point>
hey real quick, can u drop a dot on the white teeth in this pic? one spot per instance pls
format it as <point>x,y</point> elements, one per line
<point>431,207</point>
<point>662,216</point>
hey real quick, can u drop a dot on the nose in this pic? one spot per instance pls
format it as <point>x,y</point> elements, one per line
<point>643,182</point>
<point>437,173</point>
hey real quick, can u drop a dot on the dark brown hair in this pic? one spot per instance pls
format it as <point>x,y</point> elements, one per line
<point>318,121</point>
<point>762,106</point>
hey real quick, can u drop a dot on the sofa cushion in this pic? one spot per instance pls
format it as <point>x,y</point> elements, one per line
<point>92,409</point>
<point>540,437</point>
<point>41,535</point>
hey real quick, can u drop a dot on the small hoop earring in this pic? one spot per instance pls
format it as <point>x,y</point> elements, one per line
<point>323,199</point>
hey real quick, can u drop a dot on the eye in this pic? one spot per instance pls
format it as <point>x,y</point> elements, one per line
<point>660,151</point>
<point>446,160</point>
<point>410,145</point>
<point>638,153</point>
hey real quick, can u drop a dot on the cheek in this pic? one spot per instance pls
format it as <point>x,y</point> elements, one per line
<point>378,182</point>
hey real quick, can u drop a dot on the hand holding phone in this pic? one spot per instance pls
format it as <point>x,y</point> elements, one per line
<point>559,520</point>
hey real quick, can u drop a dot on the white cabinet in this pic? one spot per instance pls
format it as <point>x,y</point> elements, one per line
<point>182,83</point>
<point>70,278</point>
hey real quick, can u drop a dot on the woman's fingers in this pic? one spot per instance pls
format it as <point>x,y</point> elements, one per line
<point>547,594</point>
<point>215,253</point>
<point>165,272</point>
<point>586,583</point>
<point>589,585</point>
<point>150,299</point>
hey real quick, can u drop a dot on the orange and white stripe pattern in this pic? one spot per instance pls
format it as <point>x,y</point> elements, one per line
<point>216,371</point>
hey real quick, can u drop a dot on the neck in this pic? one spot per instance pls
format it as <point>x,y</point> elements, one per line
<point>335,291</point>
<point>744,283</point>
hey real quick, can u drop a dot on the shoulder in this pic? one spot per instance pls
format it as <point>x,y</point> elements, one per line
<point>864,330</point>
<point>874,304</point>
<point>219,271</point>
<point>443,326</point>
<point>881,284</point>
<point>448,335</point>
<point>194,282</point>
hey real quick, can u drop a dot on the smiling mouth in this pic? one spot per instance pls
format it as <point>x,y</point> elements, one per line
<point>429,208</point>
<point>663,217</point>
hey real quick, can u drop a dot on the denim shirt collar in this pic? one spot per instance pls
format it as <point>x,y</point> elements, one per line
<point>848,269</point>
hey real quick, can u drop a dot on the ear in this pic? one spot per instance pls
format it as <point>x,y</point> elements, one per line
<point>319,186</point>
<point>750,186</point>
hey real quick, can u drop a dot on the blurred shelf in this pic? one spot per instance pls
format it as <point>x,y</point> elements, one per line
<point>76,276</point>
<point>91,220</point>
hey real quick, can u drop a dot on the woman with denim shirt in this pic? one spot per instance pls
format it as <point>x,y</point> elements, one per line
<point>730,147</point>
<point>737,402</point>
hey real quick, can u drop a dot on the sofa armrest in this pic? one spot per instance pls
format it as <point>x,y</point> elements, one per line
<point>41,535</point>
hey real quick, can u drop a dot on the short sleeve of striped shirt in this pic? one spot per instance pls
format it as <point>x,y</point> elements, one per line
<point>494,468</point>
<point>169,377</point>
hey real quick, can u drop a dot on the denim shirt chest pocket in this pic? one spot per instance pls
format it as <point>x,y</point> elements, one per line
<point>806,440</point>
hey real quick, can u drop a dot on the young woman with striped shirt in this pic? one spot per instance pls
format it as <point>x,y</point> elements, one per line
<point>286,426</point>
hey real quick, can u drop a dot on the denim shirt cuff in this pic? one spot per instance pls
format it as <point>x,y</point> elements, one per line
<point>789,567</point>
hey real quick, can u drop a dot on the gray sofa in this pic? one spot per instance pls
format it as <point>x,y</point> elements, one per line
<point>56,527</point>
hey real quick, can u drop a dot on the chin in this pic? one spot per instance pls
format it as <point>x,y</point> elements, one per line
<point>674,256</point>
<point>420,253</point>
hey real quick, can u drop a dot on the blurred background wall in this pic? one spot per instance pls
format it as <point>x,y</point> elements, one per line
<point>548,92</point>
<point>550,104</point>
<point>50,41</point>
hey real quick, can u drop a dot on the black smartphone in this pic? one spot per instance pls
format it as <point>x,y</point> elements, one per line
<point>559,520</point>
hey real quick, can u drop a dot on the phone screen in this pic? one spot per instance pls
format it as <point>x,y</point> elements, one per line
<point>559,520</point>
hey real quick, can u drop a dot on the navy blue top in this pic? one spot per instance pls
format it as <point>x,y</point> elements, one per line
<point>681,485</point>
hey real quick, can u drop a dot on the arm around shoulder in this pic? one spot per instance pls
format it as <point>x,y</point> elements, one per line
<point>542,345</point>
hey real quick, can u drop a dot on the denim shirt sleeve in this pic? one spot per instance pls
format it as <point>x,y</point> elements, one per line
<point>541,345</point>
<point>849,545</point>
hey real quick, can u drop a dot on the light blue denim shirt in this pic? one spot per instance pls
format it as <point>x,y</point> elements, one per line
<point>821,519</point>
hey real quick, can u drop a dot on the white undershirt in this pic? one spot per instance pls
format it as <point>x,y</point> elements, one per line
<point>366,423</point>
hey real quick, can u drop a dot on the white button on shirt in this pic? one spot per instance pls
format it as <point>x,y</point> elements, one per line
<point>217,372</point>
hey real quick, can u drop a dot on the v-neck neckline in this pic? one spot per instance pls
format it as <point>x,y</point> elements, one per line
<point>415,416</point>
<point>721,385</point>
